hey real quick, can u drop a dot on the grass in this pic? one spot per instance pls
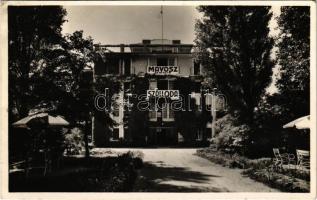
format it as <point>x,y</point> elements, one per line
<point>95,174</point>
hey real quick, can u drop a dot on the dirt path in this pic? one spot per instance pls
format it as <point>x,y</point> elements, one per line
<point>179,170</point>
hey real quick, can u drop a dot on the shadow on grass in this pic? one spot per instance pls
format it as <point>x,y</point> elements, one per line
<point>161,178</point>
<point>109,174</point>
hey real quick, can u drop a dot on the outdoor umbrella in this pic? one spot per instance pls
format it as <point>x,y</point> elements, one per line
<point>300,123</point>
<point>40,120</point>
<point>43,118</point>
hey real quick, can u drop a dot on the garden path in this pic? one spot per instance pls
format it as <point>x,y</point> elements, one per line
<point>180,170</point>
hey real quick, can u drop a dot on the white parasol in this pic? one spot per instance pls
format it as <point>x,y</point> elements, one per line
<point>47,119</point>
<point>300,123</point>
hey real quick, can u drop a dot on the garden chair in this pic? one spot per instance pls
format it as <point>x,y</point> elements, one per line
<point>281,159</point>
<point>303,159</point>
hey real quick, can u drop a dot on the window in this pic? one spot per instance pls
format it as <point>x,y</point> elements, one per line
<point>127,67</point>
<point>112,66</point>
<point>115,134</point>
<point>162,84</point>
<point>116,111</point>
<point>196,68</point>
<point>196,87</point>
<point>162,62</point>
<point>153,85</point>
<point>171,61</point>
<point>152,112</point>
<point>165,84</point>
<point>165,61</point>
<point>170,85</point>
<point>167,113</point>
<point>171,113</point>
<point>146,41</point>
<point>199,135</point>
<point>115,105</point>
<point>126,133</point>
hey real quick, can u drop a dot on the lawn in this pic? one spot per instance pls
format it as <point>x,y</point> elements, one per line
<point>78,174</point>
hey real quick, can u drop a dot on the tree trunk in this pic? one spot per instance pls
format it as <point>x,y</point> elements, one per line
<point>24,96</point>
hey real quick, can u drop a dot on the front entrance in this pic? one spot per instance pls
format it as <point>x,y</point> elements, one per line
<point>163,136</point>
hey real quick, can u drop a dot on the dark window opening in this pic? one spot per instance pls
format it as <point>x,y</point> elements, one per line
<point>112,66</point>
<point>162,62</point>
<point>171,85</point>
<point>196,68</point>
<point>146,41</point>
<point>165,62</point>
<point>115,134</point>
<point>171,61</point>
<point>196,86</point>
<point>165,84</point>
<point>127,67</point>
<point>162,84</point>
<point>126,133</point>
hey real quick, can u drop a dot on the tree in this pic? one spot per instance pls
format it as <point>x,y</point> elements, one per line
<point>76,74</point>
<point>294,60</point>
<point>191,118</point>
<point>68,75</point>
<point>137,119</point>
<point>66,69</point>
<point>32,30</point>
<point>235,49</point>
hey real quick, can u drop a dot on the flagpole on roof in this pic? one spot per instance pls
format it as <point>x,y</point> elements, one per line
<point>162,25</point>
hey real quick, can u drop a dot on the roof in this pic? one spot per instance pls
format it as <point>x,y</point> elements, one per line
<point>144,46</point>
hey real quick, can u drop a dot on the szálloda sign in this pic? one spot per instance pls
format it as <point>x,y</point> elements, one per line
<point>163,70</point>
<point>173,94</point>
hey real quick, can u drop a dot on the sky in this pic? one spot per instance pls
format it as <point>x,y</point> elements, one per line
<point>132,24</point>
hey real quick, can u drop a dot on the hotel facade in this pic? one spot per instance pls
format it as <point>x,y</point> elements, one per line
<point>163,77</point>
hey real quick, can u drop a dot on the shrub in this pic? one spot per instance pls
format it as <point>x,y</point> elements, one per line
<point>136,154</point>
<point>299,174</point>
<point>261,163</point>
<point>235,160</point>
<point>262,170</point>
<point>277,180</point>
<point>74,142</point>
<point>230,137</point>
<point>123,174</point>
